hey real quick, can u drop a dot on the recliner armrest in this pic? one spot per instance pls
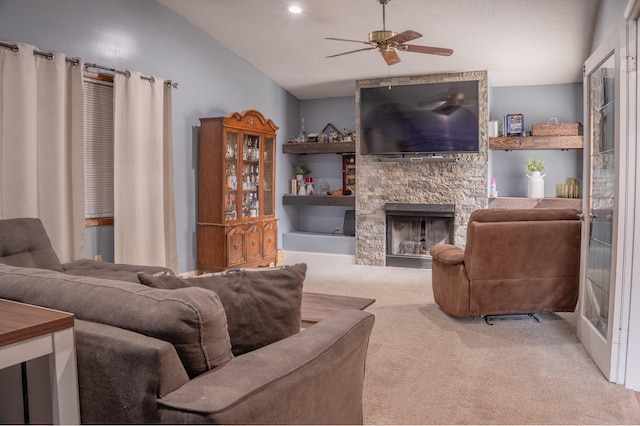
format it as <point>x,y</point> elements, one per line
<point>313,377</point>
<point>447,254</point>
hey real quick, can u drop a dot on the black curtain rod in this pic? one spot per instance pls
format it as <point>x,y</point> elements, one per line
<point>76,62</point>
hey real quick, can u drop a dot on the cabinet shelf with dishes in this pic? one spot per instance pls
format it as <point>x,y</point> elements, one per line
<point>535,142</point>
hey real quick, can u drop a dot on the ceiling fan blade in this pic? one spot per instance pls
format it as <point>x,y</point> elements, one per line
<point>351,51</point>
<point>390,56</point>
<point>354,41</point>
<point>405,36</point>
<point>442,51</point>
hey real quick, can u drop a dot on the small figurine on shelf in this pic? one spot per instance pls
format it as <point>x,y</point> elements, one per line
<point>325,189</point>
<point>299,172</point>
<point>309,186</point>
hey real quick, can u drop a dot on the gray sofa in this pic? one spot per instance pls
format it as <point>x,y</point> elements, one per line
<point>153,355</point>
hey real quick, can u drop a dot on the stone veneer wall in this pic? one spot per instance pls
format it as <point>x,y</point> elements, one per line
<point>463,184</point>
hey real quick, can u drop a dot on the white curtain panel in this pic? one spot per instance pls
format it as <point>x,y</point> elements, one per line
<point>144,211</point>
<point>41,145</point>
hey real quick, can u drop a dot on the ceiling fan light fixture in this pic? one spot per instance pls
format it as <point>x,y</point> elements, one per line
<point>295,9</point>
<point>380,36</point>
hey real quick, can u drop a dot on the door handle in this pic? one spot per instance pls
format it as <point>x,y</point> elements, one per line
<point>591,216</point>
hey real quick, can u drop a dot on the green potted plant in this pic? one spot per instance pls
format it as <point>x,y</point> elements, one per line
<point>535,165</point>
<point>300,171</point>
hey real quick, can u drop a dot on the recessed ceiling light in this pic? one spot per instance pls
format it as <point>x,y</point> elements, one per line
<point>295,9</point>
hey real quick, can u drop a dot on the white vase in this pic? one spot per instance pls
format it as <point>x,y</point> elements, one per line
<point>536,185</point>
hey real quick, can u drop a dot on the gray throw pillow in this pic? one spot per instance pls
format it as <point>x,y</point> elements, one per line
<point>262,305</point>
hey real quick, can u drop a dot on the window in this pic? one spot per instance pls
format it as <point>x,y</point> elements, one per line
<point>98,149</point>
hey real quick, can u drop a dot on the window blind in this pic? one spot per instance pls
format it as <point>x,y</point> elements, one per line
<point>98,149</point>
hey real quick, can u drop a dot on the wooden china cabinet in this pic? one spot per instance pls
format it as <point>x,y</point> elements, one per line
<point>236,192</point>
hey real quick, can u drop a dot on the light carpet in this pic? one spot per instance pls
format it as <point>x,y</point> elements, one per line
<point>425,367</point>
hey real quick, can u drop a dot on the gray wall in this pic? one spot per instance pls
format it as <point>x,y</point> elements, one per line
<point>145,36</point>
<point>610,15</point>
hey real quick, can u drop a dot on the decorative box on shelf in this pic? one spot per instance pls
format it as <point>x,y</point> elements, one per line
<point>557,129</point>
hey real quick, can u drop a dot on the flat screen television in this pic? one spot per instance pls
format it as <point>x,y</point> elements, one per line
<point>426,118</point>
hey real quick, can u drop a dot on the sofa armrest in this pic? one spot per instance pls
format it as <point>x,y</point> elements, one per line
<point>313,377</point>
<point>121,374</point>
<point>447,254</point>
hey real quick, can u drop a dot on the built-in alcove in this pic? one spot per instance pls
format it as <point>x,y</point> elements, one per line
<point>412,229</point>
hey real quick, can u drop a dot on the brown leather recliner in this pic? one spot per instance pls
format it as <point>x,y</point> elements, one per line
<point>515,261</point>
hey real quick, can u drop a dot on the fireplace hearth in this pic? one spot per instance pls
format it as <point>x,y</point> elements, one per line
<point>412,229</point>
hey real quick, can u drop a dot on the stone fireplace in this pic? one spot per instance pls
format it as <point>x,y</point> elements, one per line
<point>412,229</point>
<point>461,184</point>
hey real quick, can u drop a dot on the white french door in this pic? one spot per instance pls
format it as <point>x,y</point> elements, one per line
<point>609,181</point>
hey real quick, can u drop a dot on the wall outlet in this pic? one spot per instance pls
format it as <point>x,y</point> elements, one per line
<point>338,230</point>
<point>98,257</point>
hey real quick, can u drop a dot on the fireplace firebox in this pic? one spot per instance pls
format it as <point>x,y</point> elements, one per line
<point>412,229</point>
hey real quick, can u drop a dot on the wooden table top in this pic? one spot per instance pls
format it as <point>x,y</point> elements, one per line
<point>318,306</point>
<point>20,321</point>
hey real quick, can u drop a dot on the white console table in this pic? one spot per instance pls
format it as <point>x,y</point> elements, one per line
<point>28,332</point>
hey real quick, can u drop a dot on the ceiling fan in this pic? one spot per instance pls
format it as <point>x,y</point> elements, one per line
<point>387,42</point>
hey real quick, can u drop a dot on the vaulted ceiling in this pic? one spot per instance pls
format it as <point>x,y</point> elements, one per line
<point>519,42</point>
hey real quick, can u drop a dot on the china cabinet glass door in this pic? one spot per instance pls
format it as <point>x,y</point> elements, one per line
<point>268,196</point>
<point>231,176</point>
<point>250,168</point>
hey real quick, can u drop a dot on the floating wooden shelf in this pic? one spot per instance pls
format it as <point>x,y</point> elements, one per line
<point>319,148</point>
<point>536,142</point>
<point>319,200</point>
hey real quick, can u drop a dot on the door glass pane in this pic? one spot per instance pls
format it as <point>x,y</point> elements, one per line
<point>602,196</point>
<point>267,188</point>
